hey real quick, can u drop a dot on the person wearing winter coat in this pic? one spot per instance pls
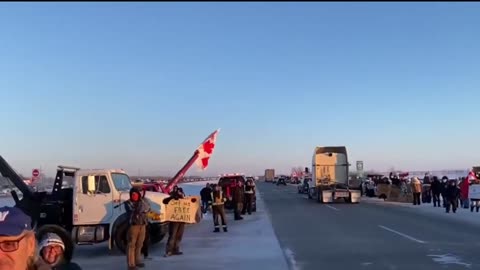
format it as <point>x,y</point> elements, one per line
<point>136,209</point>
<point>175,229</point>
<point>249,197</point>
<point>464,188</point>
<point>217,200</point>
<point>416,190</point>
<point>238,199</point>
<point>436,188</point>
<point>205,195</point>
<point>52,251</point>
<point>452,194</point>
<point>444,189</point>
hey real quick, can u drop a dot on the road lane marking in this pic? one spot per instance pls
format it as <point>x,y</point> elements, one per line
<point>402,234</point>
<point>331,207</point>
<point>449,259</point>
<point>291,259</point>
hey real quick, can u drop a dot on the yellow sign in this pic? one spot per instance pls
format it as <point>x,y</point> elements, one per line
<point>184,210</point>
<point>153,216</point>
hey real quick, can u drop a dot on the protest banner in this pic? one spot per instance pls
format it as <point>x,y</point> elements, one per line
<point>184,210</point>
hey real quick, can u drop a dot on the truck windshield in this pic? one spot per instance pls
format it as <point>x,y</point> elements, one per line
<point>121,181</point>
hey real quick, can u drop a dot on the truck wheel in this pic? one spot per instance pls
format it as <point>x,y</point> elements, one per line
<point>319,196</point>
<point>120,236</point>
<point>62,233</point>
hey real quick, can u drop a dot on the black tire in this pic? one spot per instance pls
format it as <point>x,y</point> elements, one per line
<point>120,235</point>
<point>62,233</point>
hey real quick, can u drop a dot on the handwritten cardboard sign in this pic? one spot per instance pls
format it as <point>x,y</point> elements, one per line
<point>184,210</point>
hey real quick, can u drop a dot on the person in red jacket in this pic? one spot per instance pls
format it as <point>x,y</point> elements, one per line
<point>464,192</point>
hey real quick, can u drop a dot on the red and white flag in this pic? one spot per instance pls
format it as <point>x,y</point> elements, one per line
<point>471,176</point>
<point>205,150</point>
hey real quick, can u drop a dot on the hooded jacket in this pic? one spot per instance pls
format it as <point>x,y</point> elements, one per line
<point>436,186</point>
<point>137,211</point>
<point>416,185</point>
<point>452,192</point>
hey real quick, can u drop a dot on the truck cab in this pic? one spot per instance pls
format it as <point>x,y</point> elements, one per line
<point>98,210</point>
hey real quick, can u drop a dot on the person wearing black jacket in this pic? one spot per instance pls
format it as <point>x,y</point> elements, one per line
<point>436,188</point>
<point>443,190</point>
<point>249,195</point>
<point>175,229</point>
<point>452,194</point>
<point>238,198</point>
<point>205,195</point>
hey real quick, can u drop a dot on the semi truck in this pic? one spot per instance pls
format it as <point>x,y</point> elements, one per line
<point>330,176</point>
<point>269,175</point>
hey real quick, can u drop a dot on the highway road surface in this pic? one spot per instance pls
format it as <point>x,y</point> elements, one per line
<point>368,235</point>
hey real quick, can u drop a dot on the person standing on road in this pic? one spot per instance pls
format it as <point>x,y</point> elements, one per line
<point>436,187</point>
<point>238,197</point>
<point>444,190</point>
<point>452,193</point>
<point>416,190</point>
<point>217,201</point>
<point>146,241</point>
<point>175,229</point>
<point>249,194</point>
<point>205,195</point>
<point>137,211</point>
<point>464,188</point>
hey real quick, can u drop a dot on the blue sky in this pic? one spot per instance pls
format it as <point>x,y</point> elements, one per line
<point>139,85</point>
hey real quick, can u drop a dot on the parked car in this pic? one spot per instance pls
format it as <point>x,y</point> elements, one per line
<point>281,181</point>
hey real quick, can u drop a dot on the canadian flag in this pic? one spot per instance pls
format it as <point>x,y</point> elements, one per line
<point>471,176</point>
<point>205,150</point>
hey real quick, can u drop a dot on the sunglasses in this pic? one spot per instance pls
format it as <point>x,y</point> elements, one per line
<point>11,245</point>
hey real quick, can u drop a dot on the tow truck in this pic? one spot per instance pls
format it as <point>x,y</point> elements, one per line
<point>330,176</point>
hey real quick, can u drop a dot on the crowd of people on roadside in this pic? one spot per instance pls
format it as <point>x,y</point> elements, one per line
<point>447,193</point>
<point>240,195</point>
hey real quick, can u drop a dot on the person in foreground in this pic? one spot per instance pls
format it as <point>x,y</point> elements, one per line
<point>137,211</point>
<point>175,229</point>
<point>17,242</point>
<point>52,251</point>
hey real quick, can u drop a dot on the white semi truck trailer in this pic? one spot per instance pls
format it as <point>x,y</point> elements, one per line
<point>330,176</point>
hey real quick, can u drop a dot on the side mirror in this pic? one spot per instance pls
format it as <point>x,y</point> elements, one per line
<point>91,184</point>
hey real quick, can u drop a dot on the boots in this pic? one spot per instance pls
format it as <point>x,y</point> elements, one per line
<point>216,230</point>
<point>225,228</point>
